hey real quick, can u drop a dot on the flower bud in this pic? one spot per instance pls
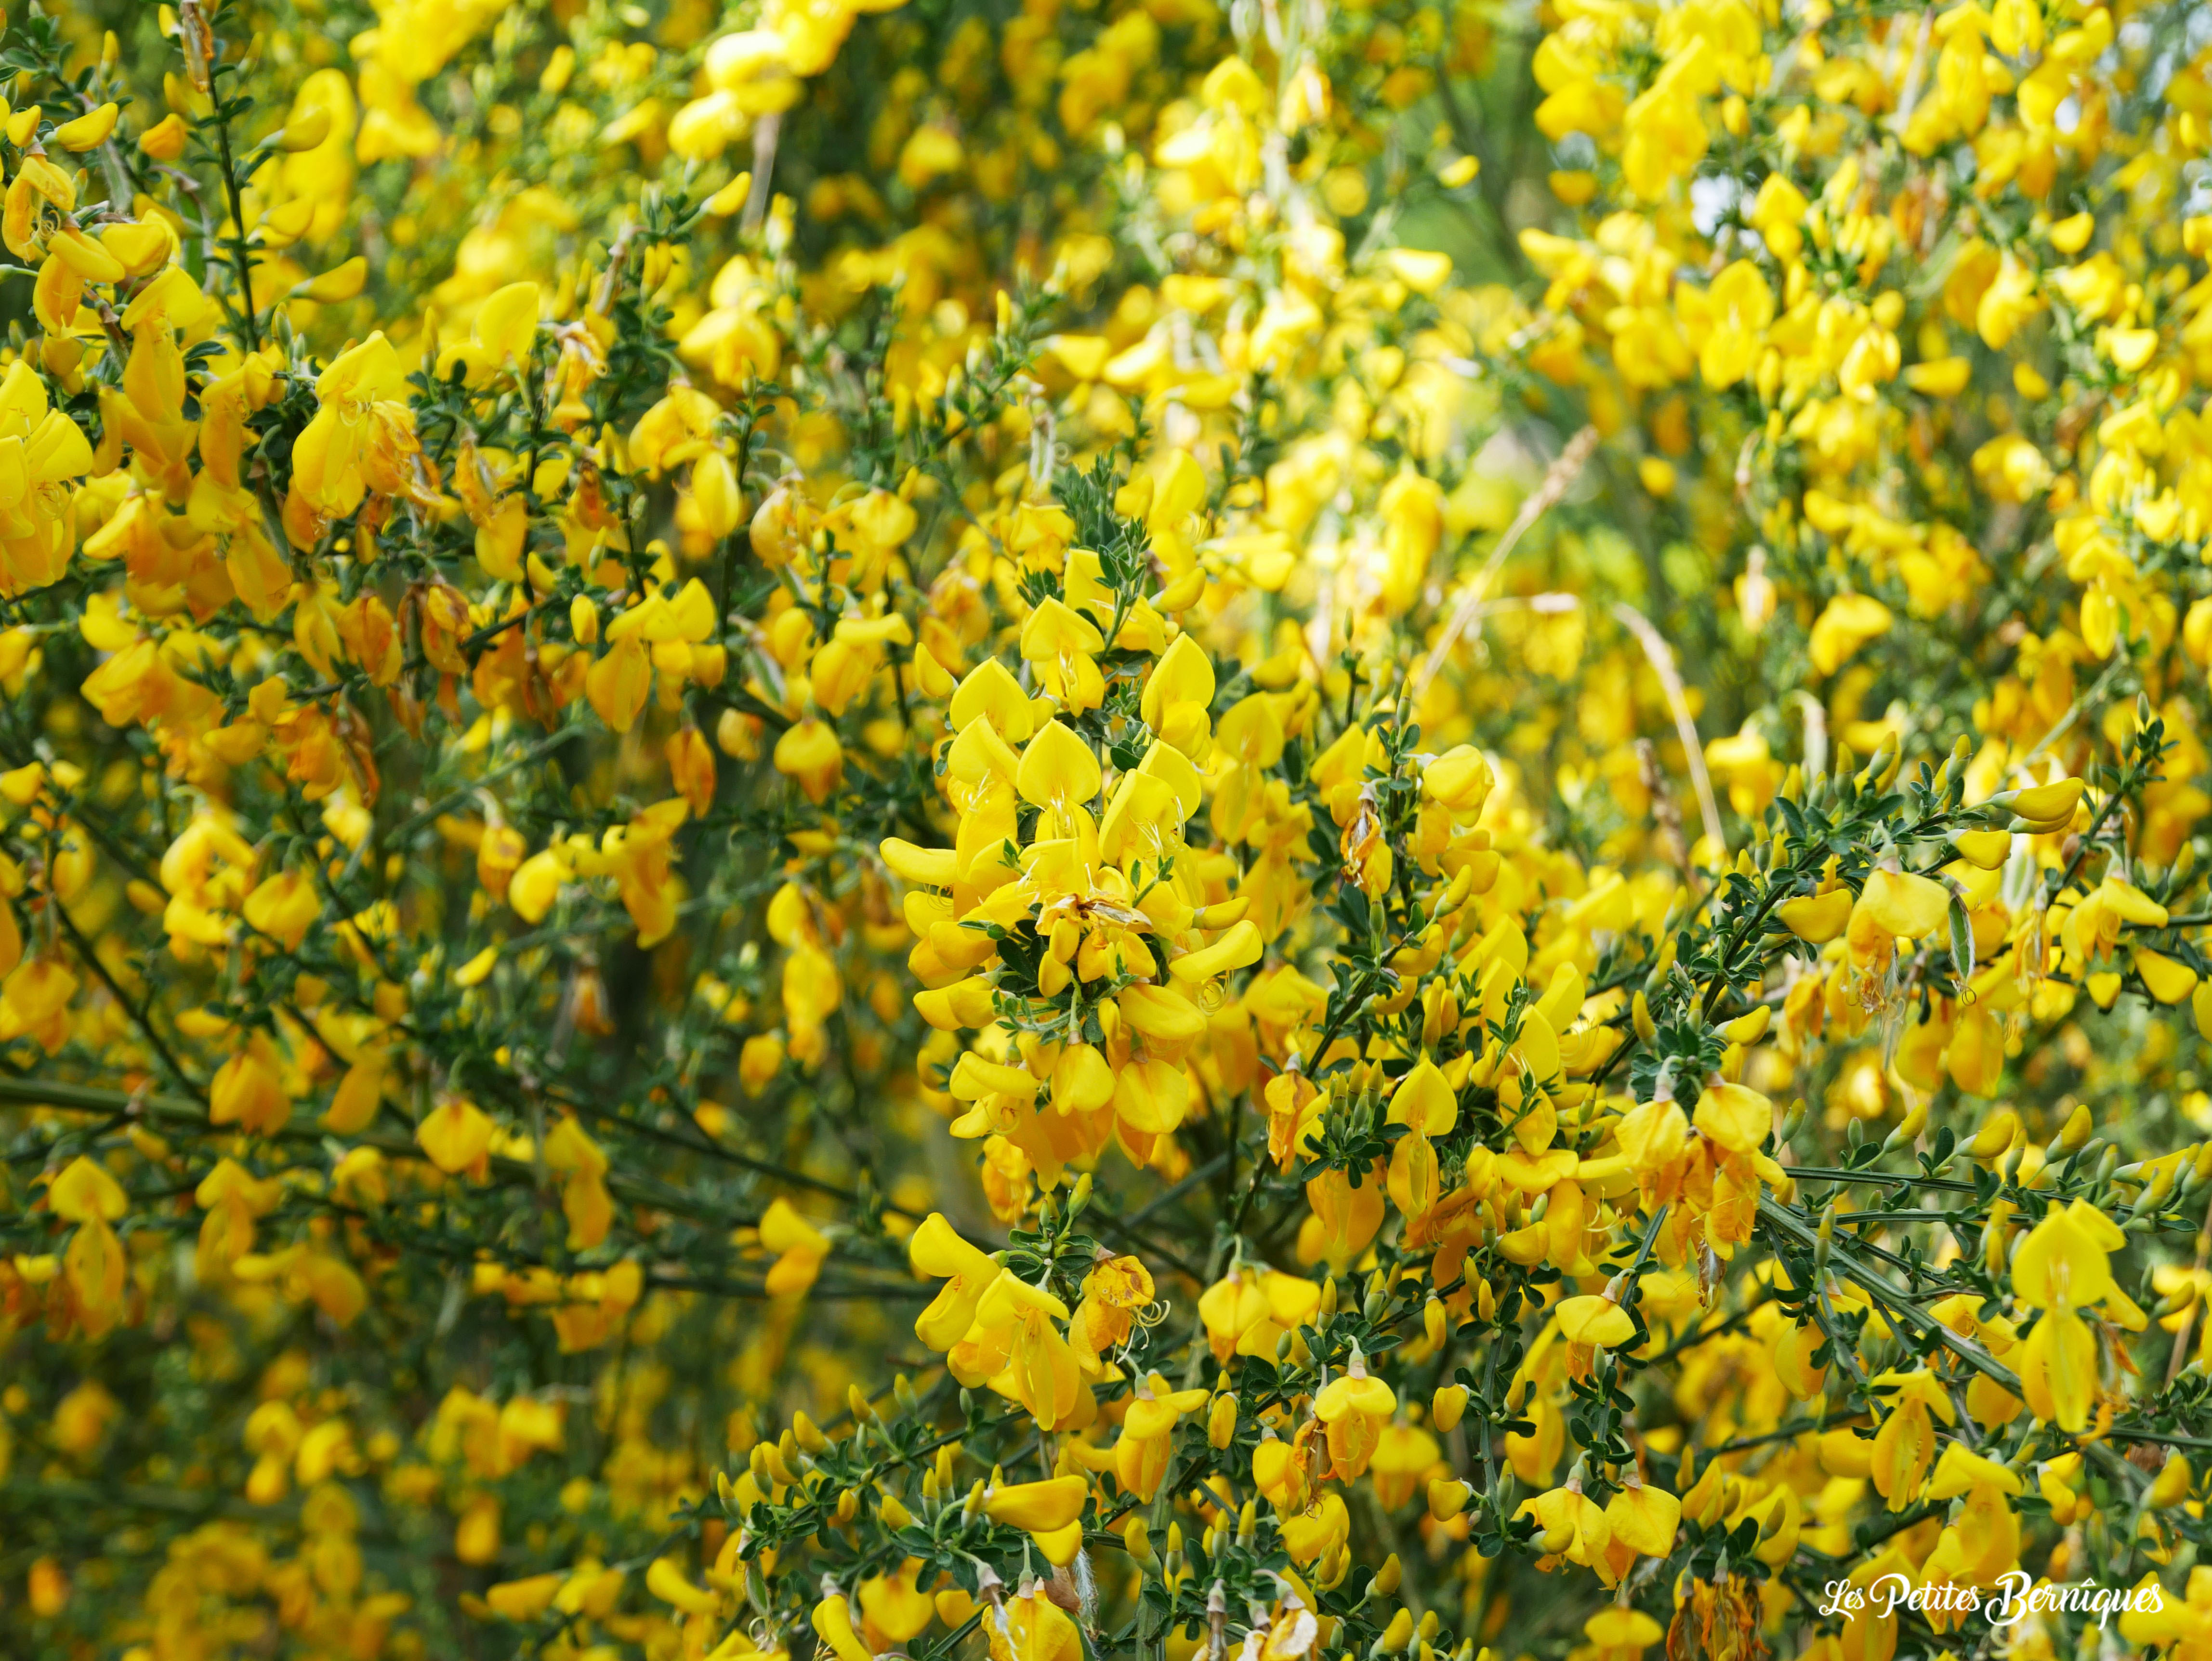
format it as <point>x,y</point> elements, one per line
<point>1221,1421</point>
<point>717,495</point>
<point>1447,1406</point>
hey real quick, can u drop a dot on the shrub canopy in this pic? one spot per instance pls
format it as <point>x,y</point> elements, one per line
<point>1111,828</point>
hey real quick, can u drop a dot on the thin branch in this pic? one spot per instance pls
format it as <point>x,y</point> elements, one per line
<point>1663,664</point>
<point>1546,496</point>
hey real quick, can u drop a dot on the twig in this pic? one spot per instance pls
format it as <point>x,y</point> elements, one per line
<point>1912,71</point>
<point>766,132</point>
<point>1546,496</point>
<point>1663,664</point>
<point>1867,1280</point>
<point>2180,1356</point>
<point>2081,701</point>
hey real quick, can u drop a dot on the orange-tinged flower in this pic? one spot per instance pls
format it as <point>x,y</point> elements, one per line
<point>618,682</point>
<point>85,1192</point>
<point>248,1091</point>
<point>1114,1293</point>
<point>456,1136</point>
<point>360,400</point>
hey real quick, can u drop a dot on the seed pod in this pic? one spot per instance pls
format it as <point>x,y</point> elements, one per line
<point>1962,942</point>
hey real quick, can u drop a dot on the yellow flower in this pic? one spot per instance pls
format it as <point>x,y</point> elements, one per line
<point>2062,1264</point>
<point>1140,1455</point>
<point>1014,1325</point>
<point>1354,1406</point>
<point>1114,1291</point>
<point>1906,1441</point>
<point>247,1091</point>
<point>1642,1518</point>
<point>1848,622</point>
<point>809,752</point>
<point>799,1247</point>
<point>457,1135</point>
<point>938,1250</point>
<point>1734,1117</point>
<point>584,1197</point>
<point>1034,1629</point>
<point>358,407</point>
<point>1894,905</point>
<point>1245,1311</point>
<point>1569,1524</point>
<point>85,1192</point>
<point>1062,643</point>
<point>893,1607</point>
<point>1621,1634</point>
<point>2093,928</point>
<point>504,327</point>
<point>1728,321</point>
<point>1817,918</point>
<point>1404,1454</point>
<point>1596,1321</point>
<point>41,451</point>
<point>667,1582</point>
<point>832,1621</point>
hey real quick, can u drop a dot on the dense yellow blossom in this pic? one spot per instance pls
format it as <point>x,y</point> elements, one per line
<point>1141,828</point>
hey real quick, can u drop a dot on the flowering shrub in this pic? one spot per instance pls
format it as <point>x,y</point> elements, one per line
<point>1104,830</point>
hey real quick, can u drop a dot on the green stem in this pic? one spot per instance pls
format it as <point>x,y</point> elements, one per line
<point>242,258</point>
